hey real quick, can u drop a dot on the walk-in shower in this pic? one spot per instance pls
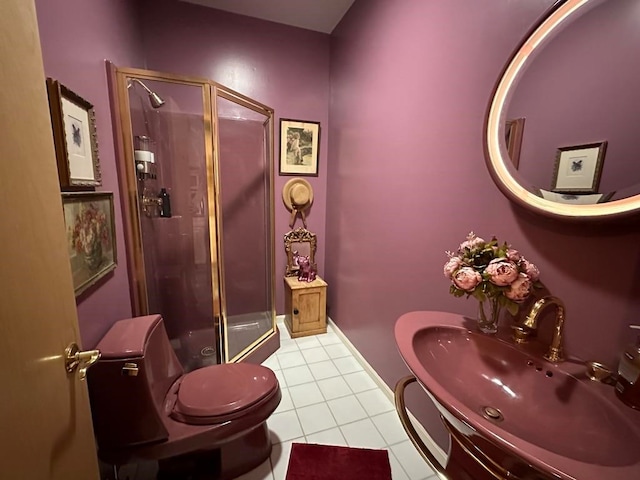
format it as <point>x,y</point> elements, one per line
<point>199,210</point>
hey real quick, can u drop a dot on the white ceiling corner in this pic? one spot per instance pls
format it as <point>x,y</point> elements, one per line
<point>318,15</point>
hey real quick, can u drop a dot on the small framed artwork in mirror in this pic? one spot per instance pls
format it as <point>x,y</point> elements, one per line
<point>74,135</point>
<point>578,168</point>
<point>299,141</point>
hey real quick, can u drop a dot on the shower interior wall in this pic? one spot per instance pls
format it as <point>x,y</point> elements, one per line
<point>245,209</point>
<point>242,196</point>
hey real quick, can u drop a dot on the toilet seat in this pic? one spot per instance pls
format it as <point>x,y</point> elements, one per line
<point>219,393</point>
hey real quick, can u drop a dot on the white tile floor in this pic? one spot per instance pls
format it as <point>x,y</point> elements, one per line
<point>328,398</point>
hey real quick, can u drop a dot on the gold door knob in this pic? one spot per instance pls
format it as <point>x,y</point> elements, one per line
<point>74,359</point>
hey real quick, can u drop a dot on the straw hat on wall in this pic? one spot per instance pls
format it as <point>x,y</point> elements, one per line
<point>297,196</point>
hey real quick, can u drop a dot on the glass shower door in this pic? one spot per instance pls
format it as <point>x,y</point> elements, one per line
<point>244,133</point>
<point>171,128</point>
<point>196,176</point>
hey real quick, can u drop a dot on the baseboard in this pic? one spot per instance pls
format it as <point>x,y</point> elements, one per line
<point>437,451</point>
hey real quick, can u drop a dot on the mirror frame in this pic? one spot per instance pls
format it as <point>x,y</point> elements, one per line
<point>496,152</point>
<point>299,235</point>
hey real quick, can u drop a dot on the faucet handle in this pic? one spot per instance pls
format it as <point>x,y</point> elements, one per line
<point>599,372</point>
<point>521,333</point>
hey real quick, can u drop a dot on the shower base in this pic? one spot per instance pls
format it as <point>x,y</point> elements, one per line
<point>197,348</point>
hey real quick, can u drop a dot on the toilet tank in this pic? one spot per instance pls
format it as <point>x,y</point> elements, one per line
<point>128,385</point>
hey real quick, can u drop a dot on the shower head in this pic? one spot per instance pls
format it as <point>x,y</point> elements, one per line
<point>155,99</point>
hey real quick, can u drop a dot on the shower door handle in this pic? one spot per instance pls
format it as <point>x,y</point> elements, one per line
<point>75,359</point>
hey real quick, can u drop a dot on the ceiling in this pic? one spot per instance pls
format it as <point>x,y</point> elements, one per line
<point>318,15</point>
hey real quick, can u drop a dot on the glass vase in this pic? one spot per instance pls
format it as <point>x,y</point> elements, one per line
<point>488,321</point>
<point>93,255</point>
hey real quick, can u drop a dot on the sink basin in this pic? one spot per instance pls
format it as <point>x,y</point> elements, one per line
<point>550,416</point>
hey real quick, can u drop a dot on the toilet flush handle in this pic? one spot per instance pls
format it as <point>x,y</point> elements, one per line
<point>74,359</point>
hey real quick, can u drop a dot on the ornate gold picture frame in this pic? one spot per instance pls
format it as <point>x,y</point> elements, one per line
<point>90,223</point>
<point>302,242</point>
<point>74,135</point>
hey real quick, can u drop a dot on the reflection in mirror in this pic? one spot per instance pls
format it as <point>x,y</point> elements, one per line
<point>574,199</point>
<point>582,88</point>
<point>301,248</point>
<point>514,131</point>
<point>575,83</point>
<point>301,242</point>
<point>578,168</point>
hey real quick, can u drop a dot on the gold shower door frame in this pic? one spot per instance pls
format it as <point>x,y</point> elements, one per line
<point>117,78</point>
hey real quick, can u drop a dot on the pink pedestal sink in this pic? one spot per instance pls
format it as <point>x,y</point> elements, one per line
<point>531,417</point>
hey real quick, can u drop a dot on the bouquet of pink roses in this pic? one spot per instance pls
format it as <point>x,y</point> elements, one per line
<point>89,229</point>
<point>486,270</point>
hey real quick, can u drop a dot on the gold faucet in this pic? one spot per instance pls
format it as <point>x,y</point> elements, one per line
<point>530,325</point>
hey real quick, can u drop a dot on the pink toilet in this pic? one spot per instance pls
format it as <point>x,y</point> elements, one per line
<point>146,408</point>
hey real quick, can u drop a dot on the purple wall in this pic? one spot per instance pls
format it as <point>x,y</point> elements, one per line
<point>582,88</point>
<point>283,67</point>
<point>183,261</point>
<point>407,180</point>
<point>77,36</point>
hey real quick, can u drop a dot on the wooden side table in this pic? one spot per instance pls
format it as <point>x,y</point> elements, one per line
<point>305,306</point>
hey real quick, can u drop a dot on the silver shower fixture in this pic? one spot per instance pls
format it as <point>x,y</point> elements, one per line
<point>155,99</point>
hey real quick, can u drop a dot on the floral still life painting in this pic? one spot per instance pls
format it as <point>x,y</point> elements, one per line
<point>90,228</point>
<point>497,275</point>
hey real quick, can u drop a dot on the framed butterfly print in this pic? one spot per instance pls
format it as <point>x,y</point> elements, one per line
<point>578,168</point>
<point>74,135</point>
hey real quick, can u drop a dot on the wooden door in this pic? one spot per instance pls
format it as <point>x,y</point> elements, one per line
<point>46,431</point>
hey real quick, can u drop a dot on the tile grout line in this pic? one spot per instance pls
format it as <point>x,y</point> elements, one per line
<point>358,400</point>
<point>315,381</point>
<point>437,451</point>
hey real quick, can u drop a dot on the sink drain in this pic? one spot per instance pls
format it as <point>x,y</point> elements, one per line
<point>491,413</point>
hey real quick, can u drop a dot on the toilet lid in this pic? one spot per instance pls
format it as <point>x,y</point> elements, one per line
<point>223,390</point>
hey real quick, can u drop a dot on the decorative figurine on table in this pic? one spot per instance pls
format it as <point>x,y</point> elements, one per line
<point>307,272</point>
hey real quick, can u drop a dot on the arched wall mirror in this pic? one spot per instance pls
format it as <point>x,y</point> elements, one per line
<point>575,80</point>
